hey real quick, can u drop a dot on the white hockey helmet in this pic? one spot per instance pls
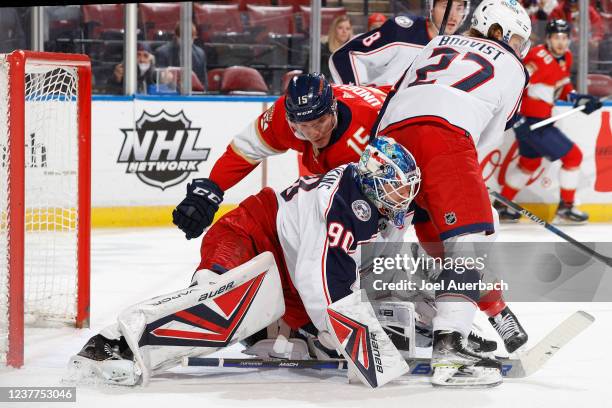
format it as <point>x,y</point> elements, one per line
<point>466,4</point>
<point>511,17</point>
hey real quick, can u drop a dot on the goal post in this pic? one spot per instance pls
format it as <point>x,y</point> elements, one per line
<point>45,188</point>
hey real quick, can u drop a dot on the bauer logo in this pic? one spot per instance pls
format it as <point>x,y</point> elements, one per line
<point>161,149</point>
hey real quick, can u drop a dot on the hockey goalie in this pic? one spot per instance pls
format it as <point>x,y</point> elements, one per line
<point>296,255</point>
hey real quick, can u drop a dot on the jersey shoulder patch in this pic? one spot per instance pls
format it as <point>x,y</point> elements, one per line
<point>404,21</point>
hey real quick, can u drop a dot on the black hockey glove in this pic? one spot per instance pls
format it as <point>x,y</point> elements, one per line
<point>198,208</point>
<point>521,128</point>
<point>590,102</point>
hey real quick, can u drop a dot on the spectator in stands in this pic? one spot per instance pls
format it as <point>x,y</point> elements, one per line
<point>145,76</point>
<point>340,31</point>
<point>12,36</point>
<point>168,55</point>
<point>376,20</point>
<point>539,9</point>
<point>568,10</point>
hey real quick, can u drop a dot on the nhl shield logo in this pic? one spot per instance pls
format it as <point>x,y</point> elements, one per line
<point>162,149</point>
<point>362,210</point>
<point>450,218</point>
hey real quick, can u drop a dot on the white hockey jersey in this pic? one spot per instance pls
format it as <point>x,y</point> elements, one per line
<point>470,83</point>
<point>322,222</point>
<point>380,56</point>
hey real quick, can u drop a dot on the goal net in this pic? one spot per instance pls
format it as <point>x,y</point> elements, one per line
<point>44,195</point>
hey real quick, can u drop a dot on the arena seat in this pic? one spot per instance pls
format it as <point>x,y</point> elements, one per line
<point>102,18</point>
<point>243,80</point>
<point>327,16</point>
<point>295,3</point>
<point>287,76</point>
<point>215,76</point>
<point>244,3</point>
<point>159,19</point>
<point>273,19</point>
<point>215,20</point>
<point>599,85</point>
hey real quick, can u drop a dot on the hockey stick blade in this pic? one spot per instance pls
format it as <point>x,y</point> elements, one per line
<point>537,356</point>
<point>530,362</point>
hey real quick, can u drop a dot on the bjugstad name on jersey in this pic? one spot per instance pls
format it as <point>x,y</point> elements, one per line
<point>481,46</point>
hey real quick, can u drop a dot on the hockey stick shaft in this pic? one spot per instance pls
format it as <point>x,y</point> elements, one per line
<point>264,363</point>
<point>561,116</point>
<point>551,228</point>
<point>447,10</point>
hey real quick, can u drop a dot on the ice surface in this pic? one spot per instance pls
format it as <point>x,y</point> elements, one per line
<point>130,265</point>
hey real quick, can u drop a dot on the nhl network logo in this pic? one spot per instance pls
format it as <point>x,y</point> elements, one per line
<point>161,149</point>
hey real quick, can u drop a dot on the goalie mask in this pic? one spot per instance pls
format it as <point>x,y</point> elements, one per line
<point>389,177</point>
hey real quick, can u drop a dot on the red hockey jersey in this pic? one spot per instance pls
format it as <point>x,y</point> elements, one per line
<point>549,81</point>
<point>270,134</point>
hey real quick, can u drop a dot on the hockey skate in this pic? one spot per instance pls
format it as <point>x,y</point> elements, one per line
<point>479,344</point>
<point>509,329</point>
<point>104,360</point>
<point>457,366</point>
<point>506,215</point>
<point>568,214</point>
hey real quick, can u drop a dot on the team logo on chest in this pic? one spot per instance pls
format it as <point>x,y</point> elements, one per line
<point>362,210</point>
<point>450,218</point>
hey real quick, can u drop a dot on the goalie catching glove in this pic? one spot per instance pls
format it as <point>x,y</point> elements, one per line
<point>198,208</point>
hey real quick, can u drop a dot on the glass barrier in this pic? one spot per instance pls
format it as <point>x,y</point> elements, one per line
<point>14,28</point>
<point>253,45</point>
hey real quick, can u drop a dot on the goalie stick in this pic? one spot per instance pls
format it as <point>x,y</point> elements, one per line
<point>523,366</point>
<point>509,203</point>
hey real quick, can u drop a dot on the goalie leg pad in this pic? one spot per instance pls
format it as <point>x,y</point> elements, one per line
<point>357,334</point>
<point>202,319</point>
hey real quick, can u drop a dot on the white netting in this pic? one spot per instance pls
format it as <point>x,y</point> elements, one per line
<point>51,193</point>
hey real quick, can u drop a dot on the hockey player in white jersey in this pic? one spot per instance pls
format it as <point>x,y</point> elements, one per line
<point>380,56</point>
<point>459,94</point>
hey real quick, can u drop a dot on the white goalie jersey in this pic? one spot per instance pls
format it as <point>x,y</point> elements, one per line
<point>322,222</point>
<point>469,83</point>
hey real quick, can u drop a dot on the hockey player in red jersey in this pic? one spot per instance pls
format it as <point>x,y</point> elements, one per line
<point>459,94</point>
<point>333,130</point>
<point>549,67</point>
<point>380,56</point>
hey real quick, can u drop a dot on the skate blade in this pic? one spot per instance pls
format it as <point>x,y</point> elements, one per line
<point>561,221</point>
<point>83,370</point>
<point>457,376</point>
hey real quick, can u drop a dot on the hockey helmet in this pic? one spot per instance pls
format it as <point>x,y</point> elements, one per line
<point>557,26</point>
<point>389,177</point>
<point>309,96</point>
<point>509,15</point>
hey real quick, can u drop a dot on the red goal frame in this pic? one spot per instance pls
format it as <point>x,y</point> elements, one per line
<point>17,61</point>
